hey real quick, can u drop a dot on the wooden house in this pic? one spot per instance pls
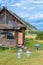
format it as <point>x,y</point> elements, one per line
<point>12,29</point>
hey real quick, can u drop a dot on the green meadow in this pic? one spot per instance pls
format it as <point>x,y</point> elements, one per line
<point>9,57</point>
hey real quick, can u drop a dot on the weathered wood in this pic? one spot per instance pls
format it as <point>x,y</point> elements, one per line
<point>11,22</point>
<point>20,38</point>
<point>8,43</point>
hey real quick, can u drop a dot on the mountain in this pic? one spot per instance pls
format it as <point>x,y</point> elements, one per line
<point>31,29</point>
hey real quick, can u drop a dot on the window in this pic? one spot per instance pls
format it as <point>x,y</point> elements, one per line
<point>7,35</point>
<point>11,35</point>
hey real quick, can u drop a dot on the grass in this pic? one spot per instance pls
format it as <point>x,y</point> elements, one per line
<point>30,43</point>
<point>10,58</point>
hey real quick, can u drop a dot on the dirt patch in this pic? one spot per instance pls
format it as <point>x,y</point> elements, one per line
<point>41,41</point>
<point>30,36</point>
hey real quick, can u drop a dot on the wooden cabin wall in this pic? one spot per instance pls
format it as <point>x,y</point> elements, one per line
<point>13,18</point>
<point>8,42</point>
<point>2,18</point>
<point>9,18</point>
<point>20,34</point>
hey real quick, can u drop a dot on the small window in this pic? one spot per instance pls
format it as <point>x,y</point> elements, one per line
<point>11,35</point>
<point>7,34</point>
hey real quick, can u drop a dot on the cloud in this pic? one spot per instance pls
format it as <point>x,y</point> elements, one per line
<point>17,4</point>
<point>23,15</point>
<point>24,7</point>
<point>23,1</point>
<point>20,3</point>
<point>38,2</point>
<point>28,8</point>
<point>37,23</point>
<point>36,16</point>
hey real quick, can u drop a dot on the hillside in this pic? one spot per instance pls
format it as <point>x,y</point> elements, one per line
<point>31,29</point>
<point>38,23</point>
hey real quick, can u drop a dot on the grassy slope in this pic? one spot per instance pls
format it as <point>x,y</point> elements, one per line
<point>31,29</point>
<point>30,43</point>
<point>10,58</point>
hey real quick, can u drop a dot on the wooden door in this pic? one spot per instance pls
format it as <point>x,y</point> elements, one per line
<point>20,38</point>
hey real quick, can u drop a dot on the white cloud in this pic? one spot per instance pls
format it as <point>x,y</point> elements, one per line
<point>36,16</point>
<point>23,2</point>
<point>24,7</point>
<point>28,8</point>
<point>23,15</point>
<point>30,0</point>
<point>35,1</point>
<point>17,4</point>
<point>31,8</point>
<point>38,2</point>
<point>37,23</point>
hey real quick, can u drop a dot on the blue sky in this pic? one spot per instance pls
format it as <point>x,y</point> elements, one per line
<point>30,10</point>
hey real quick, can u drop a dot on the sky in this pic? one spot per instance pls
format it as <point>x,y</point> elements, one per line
<point>29,10</point>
